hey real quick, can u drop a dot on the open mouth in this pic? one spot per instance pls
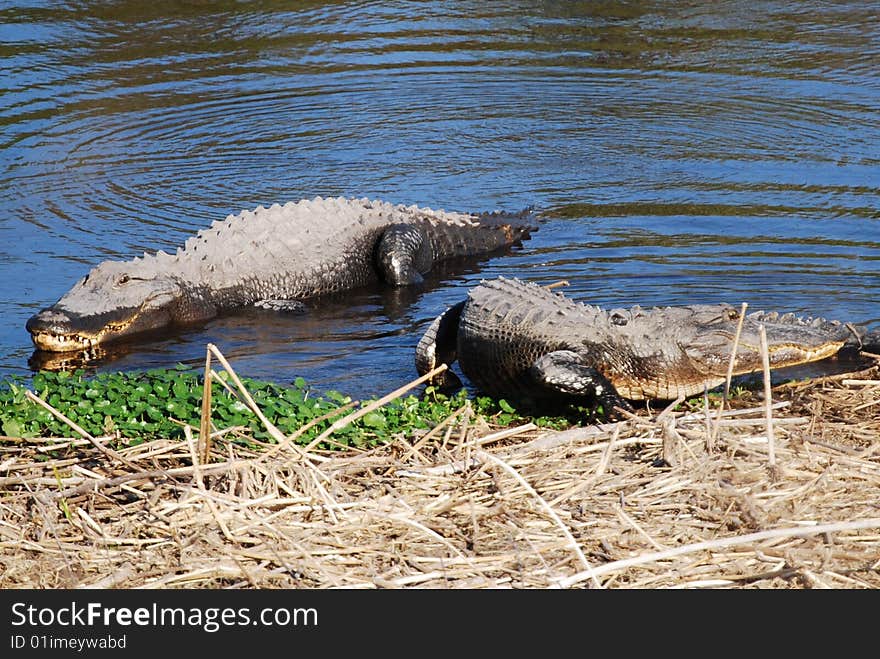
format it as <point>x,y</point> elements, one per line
<point>53,331</point>
<point>797,354</point>
<point>62,342</point>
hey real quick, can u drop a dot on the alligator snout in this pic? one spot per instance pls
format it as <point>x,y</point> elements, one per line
<point>50,321</point>
<point>57,331</point>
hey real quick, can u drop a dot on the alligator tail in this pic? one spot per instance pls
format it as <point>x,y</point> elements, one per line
<point>488,232</point>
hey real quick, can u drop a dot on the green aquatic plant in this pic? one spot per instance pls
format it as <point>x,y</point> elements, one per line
<point>138,406</point>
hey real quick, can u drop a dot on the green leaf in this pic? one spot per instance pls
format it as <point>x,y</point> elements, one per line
<point>374,420</point>
<point>11,428</point>
<point>238,406</point>
<point>180,389</point>
<point>504,405</point>
<point>337,397</point>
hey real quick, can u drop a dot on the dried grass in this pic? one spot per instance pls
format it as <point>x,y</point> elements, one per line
<point>677,500</point>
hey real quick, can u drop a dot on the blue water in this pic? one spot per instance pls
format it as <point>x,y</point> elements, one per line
<point>680,152</point>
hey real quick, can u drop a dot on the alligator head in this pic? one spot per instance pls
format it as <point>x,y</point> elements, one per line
<point>113,301</point>
<point>683,350</point>
<point>791,340</point>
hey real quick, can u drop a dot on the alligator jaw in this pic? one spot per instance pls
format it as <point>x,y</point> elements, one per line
<point>782,354</point>
<point>62,342</point>
<point>53,331</point>
<point>57,329</point>
<point>709,373</point>
<point>792,355</point>
<point>70,342</point>
<point>708,337</point>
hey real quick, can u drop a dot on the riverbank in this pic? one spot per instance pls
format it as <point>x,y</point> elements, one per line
<point>685,498</point>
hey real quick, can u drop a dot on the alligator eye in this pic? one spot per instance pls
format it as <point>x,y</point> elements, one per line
<point>123,279</point>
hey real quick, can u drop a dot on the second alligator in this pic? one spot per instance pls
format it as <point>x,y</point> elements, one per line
<point>526,343</point>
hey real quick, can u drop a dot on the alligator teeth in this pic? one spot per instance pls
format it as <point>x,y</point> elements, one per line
<point>75,340</point>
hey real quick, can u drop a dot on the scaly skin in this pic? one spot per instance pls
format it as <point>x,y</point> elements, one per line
<point>505,330</point>
<point>270,257</point>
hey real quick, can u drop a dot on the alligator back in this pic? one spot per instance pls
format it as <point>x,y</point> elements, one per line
<point>321,246</point>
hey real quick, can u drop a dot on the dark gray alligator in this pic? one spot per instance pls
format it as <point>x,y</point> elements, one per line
<point>270,257</point>
<point>523,342</point>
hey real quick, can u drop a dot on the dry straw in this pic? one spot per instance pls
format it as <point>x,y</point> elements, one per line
<point>465,504</point>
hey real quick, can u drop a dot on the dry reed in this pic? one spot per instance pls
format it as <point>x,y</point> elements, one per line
<point>466,505</point>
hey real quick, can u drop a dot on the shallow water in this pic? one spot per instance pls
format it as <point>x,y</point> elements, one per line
<point>680,152</point>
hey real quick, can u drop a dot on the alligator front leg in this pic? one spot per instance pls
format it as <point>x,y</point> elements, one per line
<point>403,255</point>
<point>564,373</point>
<point>439,345</point>
<point>285,306</point>
<point>868,342</point>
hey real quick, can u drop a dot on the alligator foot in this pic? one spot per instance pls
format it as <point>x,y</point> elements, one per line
<point>403,254</point>
<point>286,306</point>
<point>611,404</point>
<point>564,373</point>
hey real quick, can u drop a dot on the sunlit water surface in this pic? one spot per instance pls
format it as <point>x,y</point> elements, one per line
<point>679,152</point>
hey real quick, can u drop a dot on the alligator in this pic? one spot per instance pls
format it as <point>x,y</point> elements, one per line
<point>271,258</point>
<point>528,344</point>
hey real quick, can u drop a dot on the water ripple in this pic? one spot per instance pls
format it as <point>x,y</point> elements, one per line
<point>679,152</point>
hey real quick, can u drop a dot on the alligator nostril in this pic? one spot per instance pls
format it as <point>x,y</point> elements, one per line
<point>48,320</point>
